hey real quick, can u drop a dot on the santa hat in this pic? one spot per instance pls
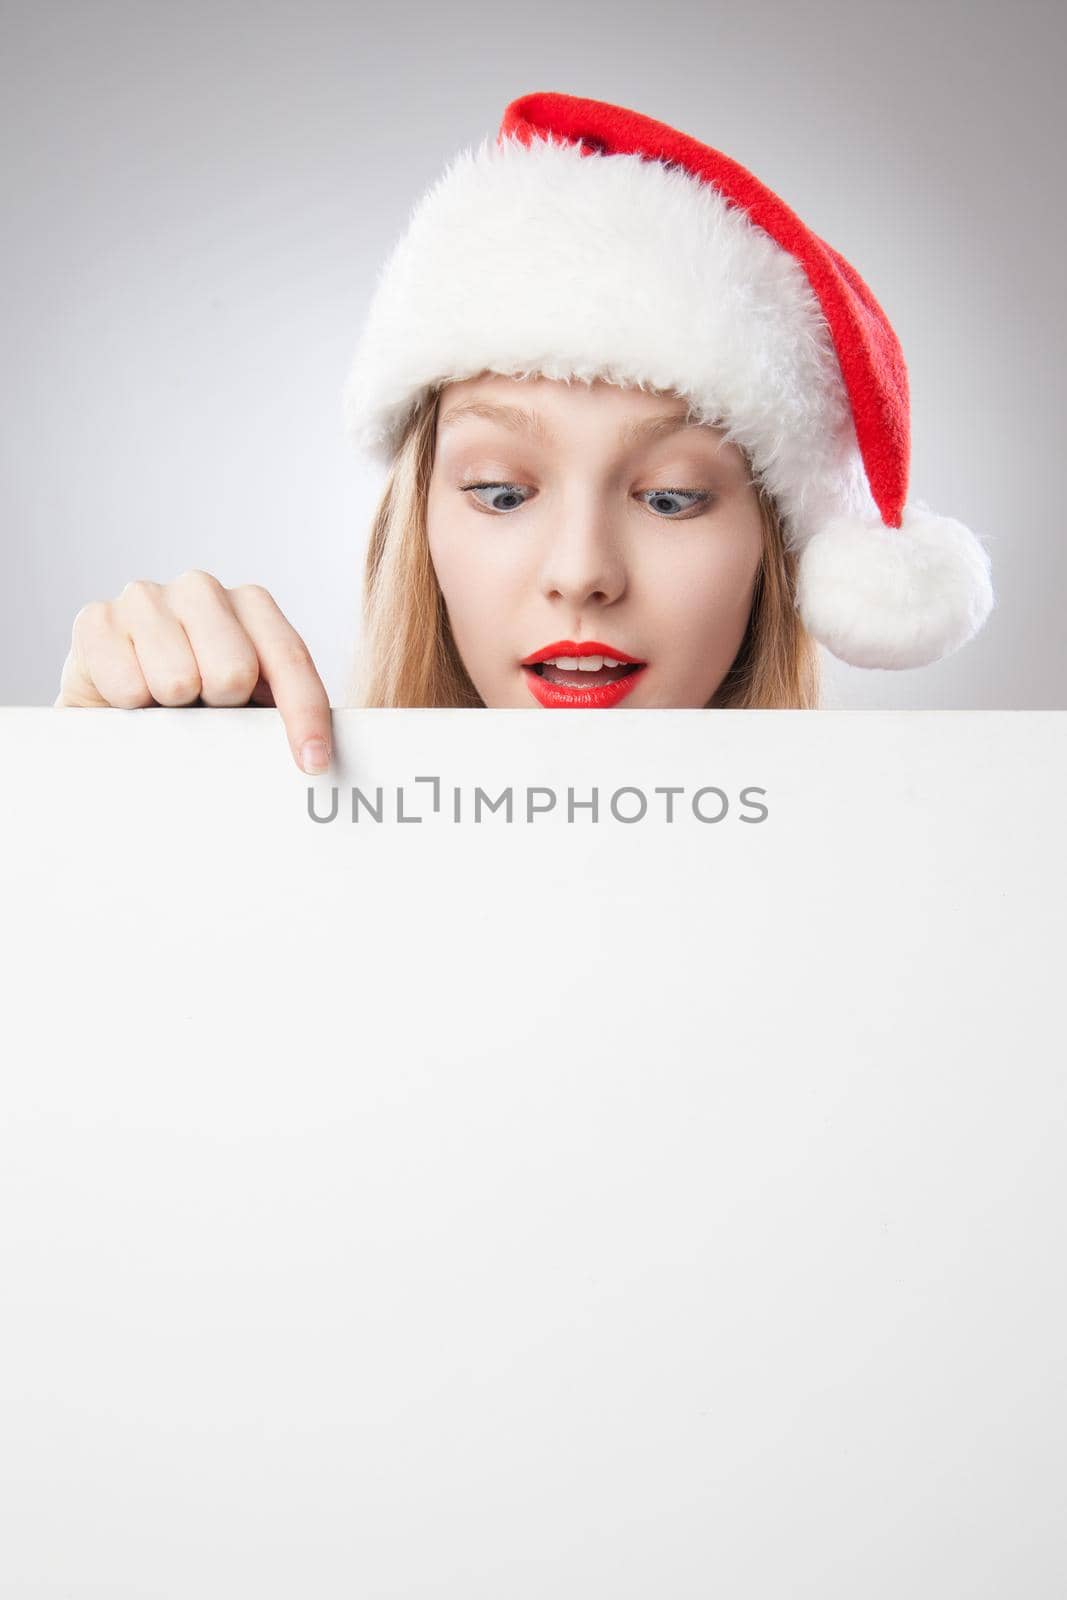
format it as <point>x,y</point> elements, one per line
<point>589,241</point>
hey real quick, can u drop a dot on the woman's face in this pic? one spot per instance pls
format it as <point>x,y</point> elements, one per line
<point>563,514</point>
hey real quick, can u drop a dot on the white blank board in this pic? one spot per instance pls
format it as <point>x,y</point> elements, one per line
<point>536,1208</point>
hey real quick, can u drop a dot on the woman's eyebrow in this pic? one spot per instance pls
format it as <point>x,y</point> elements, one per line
<point>519,420</point>
<point>516,418</point>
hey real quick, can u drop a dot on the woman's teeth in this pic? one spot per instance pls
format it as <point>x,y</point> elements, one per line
<point>582,663</point>
<point>579,672</point>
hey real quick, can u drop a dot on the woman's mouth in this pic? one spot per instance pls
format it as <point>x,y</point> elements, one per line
<point>595,687</point>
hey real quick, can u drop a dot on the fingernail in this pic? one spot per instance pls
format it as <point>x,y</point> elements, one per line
<point>314,756</point>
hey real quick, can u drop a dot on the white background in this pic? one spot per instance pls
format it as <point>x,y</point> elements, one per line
<point>555,1209</point>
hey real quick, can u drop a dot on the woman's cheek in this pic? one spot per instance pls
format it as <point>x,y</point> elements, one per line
<point>455,561</point>
<point>481,576</point>
<point>467,566</point>
<point>727,577</point>
<point>705,615</point>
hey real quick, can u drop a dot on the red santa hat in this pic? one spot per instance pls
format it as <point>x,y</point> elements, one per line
<point>589,241</point>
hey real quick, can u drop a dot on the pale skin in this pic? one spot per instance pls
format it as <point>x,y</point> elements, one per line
<point>172,644</point>
<point>603,519</point>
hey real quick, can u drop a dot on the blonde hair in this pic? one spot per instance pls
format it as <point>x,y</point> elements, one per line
<point>408,656</point>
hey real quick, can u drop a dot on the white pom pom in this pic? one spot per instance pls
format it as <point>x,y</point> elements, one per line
<point>894,597</point>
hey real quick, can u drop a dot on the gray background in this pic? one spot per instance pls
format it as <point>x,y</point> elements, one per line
<point>196,201</point>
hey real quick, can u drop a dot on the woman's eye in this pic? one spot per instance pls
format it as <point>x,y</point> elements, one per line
<point>503,497</point>
<point>499,492</point>
<point>662,499</point>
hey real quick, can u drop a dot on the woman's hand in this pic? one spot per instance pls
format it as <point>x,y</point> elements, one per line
<point>172,644</point>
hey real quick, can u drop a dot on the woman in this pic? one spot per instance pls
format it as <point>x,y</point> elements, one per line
<point>631,408</point>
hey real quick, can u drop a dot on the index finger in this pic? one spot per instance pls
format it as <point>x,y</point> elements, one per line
<point>285,662</point>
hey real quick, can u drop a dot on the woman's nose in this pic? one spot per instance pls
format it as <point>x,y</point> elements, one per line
<point>584,558</point>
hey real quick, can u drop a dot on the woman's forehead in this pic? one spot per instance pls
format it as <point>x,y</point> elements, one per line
<point>541,390</point>
<point>546,408</point>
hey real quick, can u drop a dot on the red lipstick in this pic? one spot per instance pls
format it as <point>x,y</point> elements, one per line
<point>590,647</point>
<point>599,695</point>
